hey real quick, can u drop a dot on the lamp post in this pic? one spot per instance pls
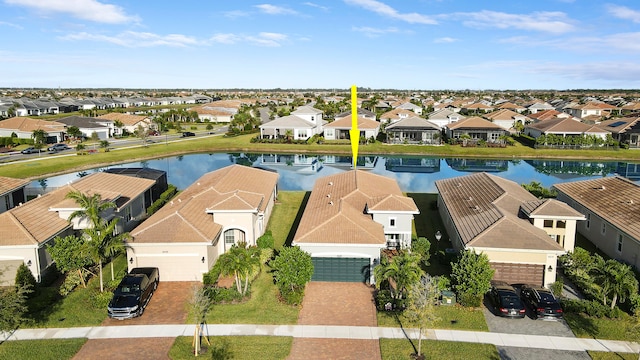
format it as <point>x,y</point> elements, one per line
<point>438,237</point>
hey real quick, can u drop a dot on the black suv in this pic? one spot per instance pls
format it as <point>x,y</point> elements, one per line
<point>188,133</point>
<point>541,302</point>
<point>505,300</point>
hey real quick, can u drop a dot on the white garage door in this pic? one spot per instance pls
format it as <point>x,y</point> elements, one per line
<point>174,267</point>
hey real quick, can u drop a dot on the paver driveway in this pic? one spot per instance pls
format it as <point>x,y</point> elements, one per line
<point>331,303</point>
<point>168,305</point>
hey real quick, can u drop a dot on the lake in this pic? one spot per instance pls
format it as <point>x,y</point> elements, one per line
<point>413,173</point>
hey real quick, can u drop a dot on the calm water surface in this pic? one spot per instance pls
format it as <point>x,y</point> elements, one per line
<point>413,174</point>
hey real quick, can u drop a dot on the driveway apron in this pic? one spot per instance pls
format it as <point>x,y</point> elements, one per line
<point>334,303</point>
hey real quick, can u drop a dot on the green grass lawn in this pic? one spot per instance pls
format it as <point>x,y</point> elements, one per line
<point>401,349</point>
<point>262,308</point>
<point>236,347</point>
<point>585,326</point>
<point>57,349</point>
<point>598,355</point>
<point>76,309</point>
<point>286,215</point>
<point>451,317</point>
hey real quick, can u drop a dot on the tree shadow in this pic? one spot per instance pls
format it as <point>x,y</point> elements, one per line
<point>404,331</point>
<point>296,222</point>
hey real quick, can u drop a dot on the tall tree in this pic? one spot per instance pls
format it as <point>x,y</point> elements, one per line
<point>617,280</point>
<point>68,254</point>
<point>403,269</point>
<point>471,277</point>
<point>421,309</point>
<point>91,207</point>
<point>239,261</point>
<point>39,138</point>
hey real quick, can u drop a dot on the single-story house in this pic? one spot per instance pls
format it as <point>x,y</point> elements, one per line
<point>339,129</point>
<point>521,234</point>
<point>413,130</point>
<point>24,127</point>
<point>349,218</point>
<point>26,230</point>
<point>88,125</point>
<point>625,130</point>
<point>12,193</point>
<point>565,127</point>
<point>222,208</point>
<point>477,128</point>
<point>302,124</point>
<point>612,209</point>
<point>506,118</point>
<point>395,115</point>
<point>411,107</point>
<point>130,122</point>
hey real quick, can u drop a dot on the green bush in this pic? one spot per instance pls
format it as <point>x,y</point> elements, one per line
<point>265,241</point>
<point>25,278</point>
<point>292,297</point>
<point>164,197</point>
<point>71,281</point>
<point>556,288</point>
<point>469,299</point>
<point>100,300</point>
<point>592,308</point>
<point>220,295</point>
<point>211,277</point>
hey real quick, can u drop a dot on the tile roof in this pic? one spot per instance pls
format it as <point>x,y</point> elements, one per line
<point>8,184</point>
<point>550,207</point>
<point>485,209</point>
<point>503,114</point>
<point>289,121</point>
<point>565,125</point>
<point>414,122</point>
<point>474,122</point>
<point>126,119</point>
<point>188,218</point>
<point>34,223</point>
<point>306,110</point>
<point>345,123</point>
<point>29,125</point>
<point>335,212</point>
<point>615,199</point>
<point>395,114</point>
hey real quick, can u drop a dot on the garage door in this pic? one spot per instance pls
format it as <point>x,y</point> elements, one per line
<point>174,268</point>
<point>340,269</point>
<point>519,273</point>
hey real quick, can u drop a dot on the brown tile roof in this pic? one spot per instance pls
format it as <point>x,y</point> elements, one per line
<point>510,106</point>
<point>485,208</point>
<point>8,184</point>
<point>185,218</point>
<point>395,114</point>
<point>545,114</point>
<point>502,114</point>
<point>335,210</point>
<point>345,123</point>
<point>474,122</point>
<point>621,124</point>
<point>477,106</point>
<point>562,125</point>
<point>29,125</point>
<point>126,119</point>
<point>614,199</point>
<point>34,223</point>
<point>414,122</point>
<point>550,207</point>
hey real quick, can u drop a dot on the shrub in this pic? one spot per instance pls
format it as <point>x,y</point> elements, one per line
<point>220,295</point>
<point>71,281</point>
<point>100,300</point>
<point>265,241</point>
<point>164,197</point>
<point>211,277</point>
<point>469,299</point>
<point>590,307</point>
<point>556,288</point>
<point>292,297</point>
<point>24,278</point>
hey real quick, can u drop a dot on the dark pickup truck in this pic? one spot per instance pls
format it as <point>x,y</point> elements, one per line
<point>133,293</point>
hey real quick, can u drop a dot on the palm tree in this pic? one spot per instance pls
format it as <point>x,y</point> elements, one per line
<point>403,269</point>
<point>101,243</point>
<point>119,125</point>
<point>39,137</point>
<point>91,207</point>
<point>239,261</point>
<point>617,280</point>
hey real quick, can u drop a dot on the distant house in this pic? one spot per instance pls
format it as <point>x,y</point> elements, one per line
<point>511,106</point>
<point>103,128</point>
<point>339,129</point>
<point>590,109</point>
<point>612,209</point>
<point>29,228</point>
<point>626,130</point>
<point>539,106</point>
<point>413,130</point>
<point>395,115</point>
<point>24,127</point>
<point>302,124</point>
<point>476,128</point>
<point>130,122</point>
<point>521,234</point>
<point>221,111</point>
<point>221,209</point>
<point>444,117</point>
<point>411,107</point>
<point>506,118</point>
<point>11,193</point>
<point>348,219</point>
<point>476,108</point>
<point>564,127</point>
<point>364,113</point>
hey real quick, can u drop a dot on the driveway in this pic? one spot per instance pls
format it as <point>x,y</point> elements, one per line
<point>334,303</point>
<point>168,305</point>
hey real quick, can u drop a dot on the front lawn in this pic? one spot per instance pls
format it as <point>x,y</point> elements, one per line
<point>54,349</point>
<point>79,308</point>
<point>401,349</point>
<point>599,355</point>
<point>584,326</point>
<point>235,347</point>
<point>451,317</point>
<point>262,308</point>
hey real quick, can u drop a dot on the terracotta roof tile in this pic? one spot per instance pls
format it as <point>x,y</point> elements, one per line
<point>8,184</point>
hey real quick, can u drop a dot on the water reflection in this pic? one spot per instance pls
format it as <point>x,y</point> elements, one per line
<point>413,173</point>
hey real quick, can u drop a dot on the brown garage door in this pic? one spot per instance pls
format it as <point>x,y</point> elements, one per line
<point>519,273</point>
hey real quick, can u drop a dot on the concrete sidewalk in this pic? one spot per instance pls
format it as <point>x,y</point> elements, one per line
<point>330,332</point>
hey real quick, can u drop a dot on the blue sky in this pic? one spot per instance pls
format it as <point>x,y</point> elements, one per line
<point>421,44</point>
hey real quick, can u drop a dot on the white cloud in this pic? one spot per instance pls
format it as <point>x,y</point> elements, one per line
<point>374,32</point>
<point>623,12</point>
<point>554,22</point>
<point>91,10</point>
<point>622,42</point>
<point>234,14</point>
<point>136,39</point>
<point>267,39</point>
<point>323,8</point>
<point>608,71</point>
<point>275,10</point>
<point>445,40</point>
<point>386,10</point>
<point>4,23</point>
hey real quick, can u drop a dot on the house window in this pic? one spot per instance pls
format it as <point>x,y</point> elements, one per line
<point>603,229</point>
<point>588,224</point>
<point>228,237</point>
<point>619,244</point>
<point>392,222</point>
<point>127,214</point>
<point>561,224</point>
<point>548,223</point>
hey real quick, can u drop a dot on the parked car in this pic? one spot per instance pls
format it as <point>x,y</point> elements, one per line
<point>133,293</point>
<point>153,133</point>
<point>541,302</point>
<point>30,150</point>
<point>505,301</point>
<point>58,147</point>
<point>188,133</point>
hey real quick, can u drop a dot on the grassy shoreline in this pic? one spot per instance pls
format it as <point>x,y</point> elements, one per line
<point>49,165</point>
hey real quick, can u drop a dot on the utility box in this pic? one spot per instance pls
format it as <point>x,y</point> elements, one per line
<point>447,298</point>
